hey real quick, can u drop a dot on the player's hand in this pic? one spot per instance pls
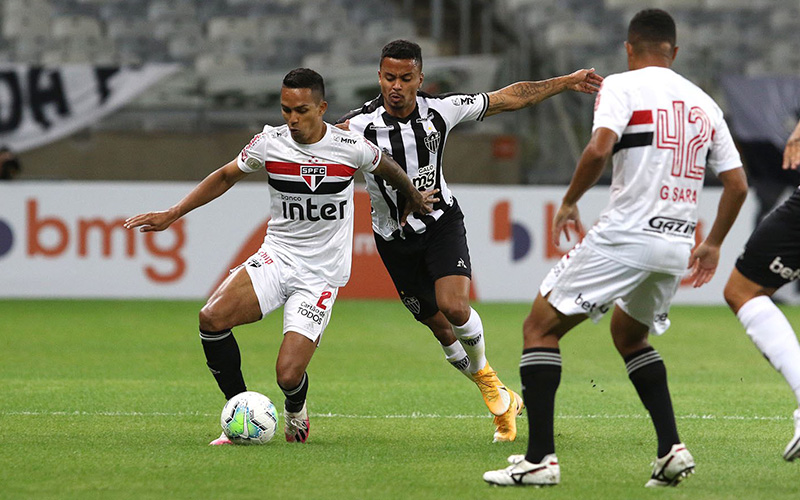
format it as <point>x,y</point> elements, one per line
<point>345,125</point>
<point>561,222</point>
<point>422,204</point>
<point>151,221</point>
<point>585,80</point>
<point>703,264</point>
<point>791,155</point>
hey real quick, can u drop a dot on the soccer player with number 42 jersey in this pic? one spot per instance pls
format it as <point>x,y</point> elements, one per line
<point>306,253</point>
<point>661,132</point>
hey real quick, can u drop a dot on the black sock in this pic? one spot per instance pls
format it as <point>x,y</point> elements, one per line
<point>224,361</point>
<point>540,370</point>
<point>649,375</point>
<point>296,398</point>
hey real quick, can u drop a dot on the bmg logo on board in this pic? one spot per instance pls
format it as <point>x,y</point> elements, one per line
<point>6,238</point>
<point>53,236</point>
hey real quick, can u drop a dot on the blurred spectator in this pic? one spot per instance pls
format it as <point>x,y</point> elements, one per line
<point>9,164</point>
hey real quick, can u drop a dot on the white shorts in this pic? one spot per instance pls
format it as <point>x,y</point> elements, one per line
<point>586,282</point>
<point>308,298</point>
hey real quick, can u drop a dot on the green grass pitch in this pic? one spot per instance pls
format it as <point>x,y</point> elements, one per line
<point>112,399</point>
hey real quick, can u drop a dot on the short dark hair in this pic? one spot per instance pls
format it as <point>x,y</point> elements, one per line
<point>304,78</point>
<point>652,26</point>
<point>402,49</point>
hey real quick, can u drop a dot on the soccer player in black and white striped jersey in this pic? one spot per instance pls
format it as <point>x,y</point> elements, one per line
<point>428,259</point>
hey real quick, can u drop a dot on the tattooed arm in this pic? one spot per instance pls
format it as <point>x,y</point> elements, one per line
<point>522,94</point>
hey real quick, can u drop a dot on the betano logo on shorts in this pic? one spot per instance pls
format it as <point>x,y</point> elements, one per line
<point>784,272</point>
<point>52,237</point>
<point>504,229</point>
<point>590,306</point>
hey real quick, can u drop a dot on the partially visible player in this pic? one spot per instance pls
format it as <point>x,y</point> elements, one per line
<point>661,132</point>
<point>428,259</point>
<point>307,251</point>
<point>771,259</point>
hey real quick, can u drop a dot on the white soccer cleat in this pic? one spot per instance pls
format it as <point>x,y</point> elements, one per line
<point>296,426</point>
<point>221,441</point>
<point>524,473</point>
<point>792,450</point>
<point>672,468</point>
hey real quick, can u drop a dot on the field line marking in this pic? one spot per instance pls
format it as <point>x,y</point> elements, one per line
<point>413,415</point>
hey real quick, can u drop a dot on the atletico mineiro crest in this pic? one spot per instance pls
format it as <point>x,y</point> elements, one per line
<point>313,175</point>
<point>432,142</point>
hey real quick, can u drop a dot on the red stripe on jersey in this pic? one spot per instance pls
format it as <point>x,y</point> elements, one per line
<point>641,117</point>
<point>288,168</point>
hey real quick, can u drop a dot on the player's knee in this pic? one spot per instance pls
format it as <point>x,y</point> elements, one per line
<point>288,376</point>
<point>532,330</point>
<point>210,320</point>
<point>735,297</point>
<point>456,311</point>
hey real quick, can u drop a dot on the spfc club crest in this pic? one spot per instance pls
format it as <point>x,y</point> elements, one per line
<point>313,175</point>
<point>432,142</point>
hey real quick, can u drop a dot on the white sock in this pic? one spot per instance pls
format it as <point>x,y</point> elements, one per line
<point>771,332</point>
<point>470,335</point>
<point>458,357</point>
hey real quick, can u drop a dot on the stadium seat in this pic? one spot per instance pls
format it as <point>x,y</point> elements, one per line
<point>75,27</point>
<point>184,47</point>
<point>122,28</point>
<point>168,29</point>
<point>22,24</point>
<point>206,64</point>
<point>159,10</point>
<point>226,27</point>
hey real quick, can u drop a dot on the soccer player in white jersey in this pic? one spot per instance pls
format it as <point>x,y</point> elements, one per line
<point>428,259</point>
<point>661,132</point>
<point>771,259</point>
<point>307,250</point>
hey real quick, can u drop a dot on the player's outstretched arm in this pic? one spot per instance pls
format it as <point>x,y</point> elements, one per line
<point>523,94</point>
<point>213,186</point>
<point>704,259</point>
<point>420,202</point>
<point>590,166</point>
<point>791,154</point>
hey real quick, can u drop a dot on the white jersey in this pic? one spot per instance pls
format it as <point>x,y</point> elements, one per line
<point>668,132</point>
<point>416,143</point>
<point>311,195</point>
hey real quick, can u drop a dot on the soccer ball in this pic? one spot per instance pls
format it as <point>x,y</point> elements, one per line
<point>249,418</point>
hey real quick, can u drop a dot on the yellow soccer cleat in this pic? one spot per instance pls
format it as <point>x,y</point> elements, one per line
<point>494,393</point>
<point>507,423</point>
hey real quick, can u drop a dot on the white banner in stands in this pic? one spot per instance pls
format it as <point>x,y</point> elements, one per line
<point>40,105</point>
<point>66,240</point>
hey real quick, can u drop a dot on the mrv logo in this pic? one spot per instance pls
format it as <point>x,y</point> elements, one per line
<point>784,272</point>
<point>668,225</point>
<point>295,209</point>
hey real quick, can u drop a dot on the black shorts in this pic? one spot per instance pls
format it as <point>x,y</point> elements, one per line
<point>416,262</point>
<point>771,256</point>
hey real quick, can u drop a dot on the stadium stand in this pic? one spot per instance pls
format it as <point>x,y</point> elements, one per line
<point>228,47</point>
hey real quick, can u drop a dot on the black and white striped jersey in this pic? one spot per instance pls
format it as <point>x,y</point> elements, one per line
<point>416,143</point>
